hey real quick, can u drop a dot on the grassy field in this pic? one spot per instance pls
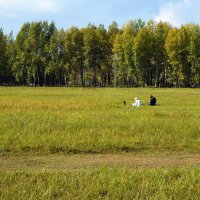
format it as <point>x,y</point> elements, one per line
<point>52,120</point>
<point>104,183</point>
<point>82,143</point>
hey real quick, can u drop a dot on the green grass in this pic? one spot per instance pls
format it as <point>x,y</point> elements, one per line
<point>83,120</point>
<point>104,183</point>
<point>75,120</point>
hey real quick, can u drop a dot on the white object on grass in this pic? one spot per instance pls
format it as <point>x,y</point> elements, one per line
<point>137,102</point>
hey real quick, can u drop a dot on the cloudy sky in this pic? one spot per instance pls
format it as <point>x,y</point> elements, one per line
<point>65,13</point>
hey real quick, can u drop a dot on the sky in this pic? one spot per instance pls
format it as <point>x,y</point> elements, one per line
<point>67,13</point>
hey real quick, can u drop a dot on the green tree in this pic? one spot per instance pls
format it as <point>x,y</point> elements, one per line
<point>171,46</point>
<point>91,53</point>
<point>57,65</point>
<point>134,55</point>
<point>177,46</point>
<point>194,54</point>
<point>3,58</point>
<point>121,69</point>
<point>185,65</point>
<point>10,55</point>
<point>124,51</point>
<point>159,59</point>
<point>22,60</point>
<point>143,55</point>
<point>35,47</point>
<point>130,31</point>
<point>113,30</point>
<point>104,55</point>
<point>74,46</point>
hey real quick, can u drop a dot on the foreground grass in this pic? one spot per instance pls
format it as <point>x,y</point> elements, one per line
<point>105,183</point>
<point>51,120</point>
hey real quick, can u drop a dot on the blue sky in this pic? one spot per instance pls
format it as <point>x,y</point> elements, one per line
<point>65,13</point>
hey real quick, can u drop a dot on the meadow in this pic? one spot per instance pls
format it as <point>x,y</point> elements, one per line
<point>84,120</point>
<point>74,123</point>
<point>104,183</point>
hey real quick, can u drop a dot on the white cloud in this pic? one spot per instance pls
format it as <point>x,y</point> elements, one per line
<point>13,7</point>
<point>182,12</point>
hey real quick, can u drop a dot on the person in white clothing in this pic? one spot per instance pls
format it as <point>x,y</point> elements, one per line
<point>137,102</point>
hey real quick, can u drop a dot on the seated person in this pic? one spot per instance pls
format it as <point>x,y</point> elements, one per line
<point>152,100</point>
<point>137,102</point>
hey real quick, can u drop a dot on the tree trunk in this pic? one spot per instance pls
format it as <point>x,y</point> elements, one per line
<point>44,81</point>
<point>74,84</point>
<point>82,73</point>
<point>95,78</point>
<point>65,79</point>
<point>85,78</point>
<point>109,78</point>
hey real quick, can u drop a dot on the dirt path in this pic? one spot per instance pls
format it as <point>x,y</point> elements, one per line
<point>74,162</point>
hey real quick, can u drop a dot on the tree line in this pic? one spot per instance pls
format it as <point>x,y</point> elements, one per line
<point>137,54</point>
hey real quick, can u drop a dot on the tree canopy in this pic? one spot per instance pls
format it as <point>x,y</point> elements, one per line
<point>137,54</point>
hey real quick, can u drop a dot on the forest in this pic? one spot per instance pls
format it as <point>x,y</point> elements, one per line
<point>138,54</point>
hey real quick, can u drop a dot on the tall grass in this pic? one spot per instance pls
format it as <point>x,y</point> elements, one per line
<point>75,120</point>
<point>104,183</point>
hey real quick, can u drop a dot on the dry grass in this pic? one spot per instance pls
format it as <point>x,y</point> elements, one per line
<point>79,162</point>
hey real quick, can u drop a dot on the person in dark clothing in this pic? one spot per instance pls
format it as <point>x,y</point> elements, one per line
<point>152,100</point>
